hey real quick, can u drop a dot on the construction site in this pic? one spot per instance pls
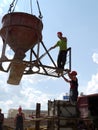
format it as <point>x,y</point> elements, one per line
<point>61,114</point>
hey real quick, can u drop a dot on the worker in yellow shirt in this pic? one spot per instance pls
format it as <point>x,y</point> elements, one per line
<point>62,44</point>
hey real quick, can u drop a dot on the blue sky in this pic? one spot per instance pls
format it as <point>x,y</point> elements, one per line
<point>78,20</point>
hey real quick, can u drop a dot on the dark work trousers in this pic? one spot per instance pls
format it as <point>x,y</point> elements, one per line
<point>1,126</point>
<point>61,59</point>
<point>73,95</point>
<point>19,127</point>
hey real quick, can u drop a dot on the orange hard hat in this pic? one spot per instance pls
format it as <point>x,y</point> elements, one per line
<point>73,73</point>
<point>60,33</point>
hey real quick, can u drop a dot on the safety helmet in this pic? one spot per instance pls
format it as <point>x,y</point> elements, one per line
<point>19,109</point>
<point>59,33</point>
<point>73,73</point>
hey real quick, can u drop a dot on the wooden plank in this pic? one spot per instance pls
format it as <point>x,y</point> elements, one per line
<point>37,123</point>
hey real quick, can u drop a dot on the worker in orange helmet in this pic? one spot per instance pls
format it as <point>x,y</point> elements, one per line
<point>19,119</point>
<point>62,44</point>
<point>73,86</point>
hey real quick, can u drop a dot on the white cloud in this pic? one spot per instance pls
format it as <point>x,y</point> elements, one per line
<point>92,86</point>
<point>26,94</point>
<point>95,57</point>
<point>3,4</point>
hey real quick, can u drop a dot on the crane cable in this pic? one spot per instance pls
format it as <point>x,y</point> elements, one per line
<point>12,5</point>
<point>40,14</point>
<point>31,6</point>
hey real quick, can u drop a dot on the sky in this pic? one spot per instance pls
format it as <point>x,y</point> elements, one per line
<point>78,21</point>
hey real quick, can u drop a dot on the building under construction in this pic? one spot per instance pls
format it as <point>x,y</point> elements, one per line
<point>62,115</point>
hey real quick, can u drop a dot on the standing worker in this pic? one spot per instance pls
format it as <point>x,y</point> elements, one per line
<point>1,119</point>
<point>19,119</point>
<point>62,43</point>
<point>73,86</point>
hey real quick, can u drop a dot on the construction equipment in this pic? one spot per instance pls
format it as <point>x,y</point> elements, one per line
<point>22,32</point>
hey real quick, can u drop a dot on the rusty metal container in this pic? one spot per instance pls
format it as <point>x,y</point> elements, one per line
<point>21,31</point>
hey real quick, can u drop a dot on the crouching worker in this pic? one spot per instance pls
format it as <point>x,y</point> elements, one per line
<point>73,86</point>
